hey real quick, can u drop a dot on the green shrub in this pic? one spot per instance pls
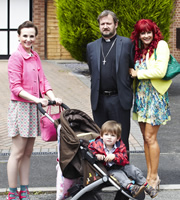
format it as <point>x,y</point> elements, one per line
<point>78,19</point>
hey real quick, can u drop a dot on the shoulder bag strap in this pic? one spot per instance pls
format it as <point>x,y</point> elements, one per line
<point>155,55</point>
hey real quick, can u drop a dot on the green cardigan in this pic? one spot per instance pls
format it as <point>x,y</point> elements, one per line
<point>156,69</point>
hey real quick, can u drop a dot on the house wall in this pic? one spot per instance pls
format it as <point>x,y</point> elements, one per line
<point>176,24</point>
<point>53,48</point>
<point>47,42</point>
<point>39,21</point>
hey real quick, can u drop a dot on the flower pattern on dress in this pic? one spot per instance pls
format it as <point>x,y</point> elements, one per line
<point>149,105</point>
<point>23,119</point>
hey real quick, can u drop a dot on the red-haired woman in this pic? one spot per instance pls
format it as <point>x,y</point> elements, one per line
<point>151,104</point>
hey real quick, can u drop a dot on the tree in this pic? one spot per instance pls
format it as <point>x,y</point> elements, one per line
<point>78,24</point>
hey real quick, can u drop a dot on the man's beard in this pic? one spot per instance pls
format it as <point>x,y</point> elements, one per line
<point>107,35</point>
<point>111,33</point>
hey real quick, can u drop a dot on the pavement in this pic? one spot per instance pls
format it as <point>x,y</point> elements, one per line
<point>71,82</point>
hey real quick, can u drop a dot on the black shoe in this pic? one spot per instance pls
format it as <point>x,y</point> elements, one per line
<point>136,190</point>
<point>151,191</point>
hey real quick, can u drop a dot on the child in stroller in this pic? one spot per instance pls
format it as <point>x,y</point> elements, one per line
<point>110,149</point>
<point>75,129</point>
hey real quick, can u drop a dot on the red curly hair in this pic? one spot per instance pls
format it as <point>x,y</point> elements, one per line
<point>145,25</point>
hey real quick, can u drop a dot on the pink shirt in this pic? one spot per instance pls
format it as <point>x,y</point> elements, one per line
<point>25,73</point>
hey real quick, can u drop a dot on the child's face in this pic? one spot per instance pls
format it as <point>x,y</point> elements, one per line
<point>109,139</point>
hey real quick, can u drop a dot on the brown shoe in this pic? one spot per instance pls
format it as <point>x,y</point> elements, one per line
<point>136,190</point>
<point>151,191</point>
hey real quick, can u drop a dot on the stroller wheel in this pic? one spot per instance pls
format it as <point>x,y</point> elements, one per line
<point>141,196</point>
<point>120,196</point>
<point>90,196</point>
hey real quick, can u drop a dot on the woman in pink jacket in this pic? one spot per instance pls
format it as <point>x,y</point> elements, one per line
<point>28,85</point>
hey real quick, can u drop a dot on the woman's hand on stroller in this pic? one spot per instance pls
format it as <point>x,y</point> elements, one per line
<point>52,97</point>
<point>58,101</point>
<point>55,101</point>
<point>43,102</point>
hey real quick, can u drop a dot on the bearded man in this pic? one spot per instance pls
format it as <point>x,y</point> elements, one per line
<point>109,59</point>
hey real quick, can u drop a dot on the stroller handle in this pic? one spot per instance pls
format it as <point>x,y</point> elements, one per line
<point>39,105</point>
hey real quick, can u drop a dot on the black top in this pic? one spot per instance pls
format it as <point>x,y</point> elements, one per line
<point>108,71</point>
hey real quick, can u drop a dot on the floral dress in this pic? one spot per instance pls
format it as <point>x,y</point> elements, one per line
<point>149,105</point>
<point>23,119</point>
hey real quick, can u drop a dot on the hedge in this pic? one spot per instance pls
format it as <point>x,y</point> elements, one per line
<point>77,19</point>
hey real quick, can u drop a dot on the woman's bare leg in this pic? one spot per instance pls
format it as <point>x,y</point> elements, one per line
<point>146,150</point>
<point>24,166</point>
<point>17,152</point>
<point>150,138</point>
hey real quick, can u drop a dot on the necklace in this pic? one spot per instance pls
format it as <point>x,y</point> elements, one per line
<point>104,61</point>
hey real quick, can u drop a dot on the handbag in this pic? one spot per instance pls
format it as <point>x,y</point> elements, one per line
<point>48,130</point>
<point>173,68</point>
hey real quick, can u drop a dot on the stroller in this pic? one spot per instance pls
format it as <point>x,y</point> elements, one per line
<point>76,129</point>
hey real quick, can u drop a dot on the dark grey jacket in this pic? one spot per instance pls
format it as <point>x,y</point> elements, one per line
<point>124,61</point>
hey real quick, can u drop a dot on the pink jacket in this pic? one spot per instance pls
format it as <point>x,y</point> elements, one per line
<point>25,73</point>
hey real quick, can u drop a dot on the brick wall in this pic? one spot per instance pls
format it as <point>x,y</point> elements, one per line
<point>39,21</point>
<point>176,24</point>
<point>57,51</point>
<point>54,49</point>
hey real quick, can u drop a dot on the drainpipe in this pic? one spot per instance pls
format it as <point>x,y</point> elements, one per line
<point>45,31</point>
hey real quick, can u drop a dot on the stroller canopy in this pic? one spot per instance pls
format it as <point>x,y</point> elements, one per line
<point>75,126</point>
